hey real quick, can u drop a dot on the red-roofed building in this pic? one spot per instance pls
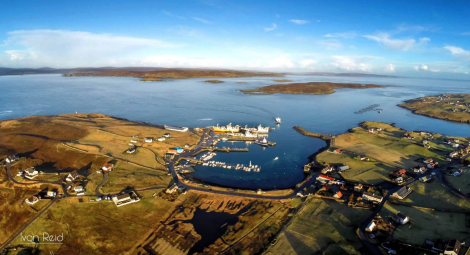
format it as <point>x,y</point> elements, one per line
<point>108,167</point>
<point>325,178</point>
<point>339,150</point>
<point>338,194</point>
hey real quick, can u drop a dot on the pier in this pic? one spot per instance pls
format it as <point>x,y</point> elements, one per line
<point>231,149</point>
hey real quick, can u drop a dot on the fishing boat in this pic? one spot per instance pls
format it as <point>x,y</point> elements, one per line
<point>278,120</point>
<point>276,158</point>
<point>263,142</point>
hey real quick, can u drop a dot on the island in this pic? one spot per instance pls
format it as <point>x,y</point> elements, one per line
<point>282,80</point>
<point>450,107</point>
<point>214,81</point>
<point>171,73</point>
<point>310,88</point>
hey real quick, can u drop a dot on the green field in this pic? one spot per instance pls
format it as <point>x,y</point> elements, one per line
<point>427,224</point>
<point>387,150</point>
<point>321,226</point>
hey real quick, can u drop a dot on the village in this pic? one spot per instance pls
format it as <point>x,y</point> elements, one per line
<point>350,172</point>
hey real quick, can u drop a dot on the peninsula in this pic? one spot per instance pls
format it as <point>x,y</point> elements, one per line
<point>310,88</point>
<point>451,107</point>
<point>163,73</point>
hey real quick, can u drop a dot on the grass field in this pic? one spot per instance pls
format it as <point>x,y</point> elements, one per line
<point>461,182</point>
<point>434,195</point>
<point>426,224</point>
<point>322,226</point>
<point>126,175</point>
<point>387,150</point>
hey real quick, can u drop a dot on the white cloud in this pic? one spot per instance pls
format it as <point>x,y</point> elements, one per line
<point>307,63</point>
<point>352,63</point>
<point>271,28</point>
<point>205,21</point>
<point>299,21</point>
<point>458,52</point>
<point>390,68</point>
<point>62,48</point>
<point>424,67</point>
<point>282,62</point>
<point>397,44</point>
<point>331,44</point>
<point>347,35</point>
<point>167,13</point>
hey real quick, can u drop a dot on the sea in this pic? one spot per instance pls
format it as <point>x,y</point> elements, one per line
<point>194,103</point>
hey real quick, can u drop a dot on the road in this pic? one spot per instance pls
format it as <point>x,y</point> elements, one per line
<point>13,238</point>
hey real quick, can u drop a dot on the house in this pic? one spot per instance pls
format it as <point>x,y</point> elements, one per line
<point>179,149</point>
<point>401,219</point>
<point>338,151</point>
<point>338,194</point>
<point>131,150</point>
<point>370,227</point>
<point>171,151</point>
<point>422,170</point>
<point>78,188</point>
<point>33,199</point>
<point>363,158</point>
<point>456,145</point>
<point>327,169</point>
<point>402,193</point>
<point>161,139</point>
<point>166,135</point>
<point>11,159</point>
<point>400,172</point>
<point>126,199</point>
<point>30,173</point>
<point>51,193</point>
<point>358,187</point>
<point>427,161</point>
<point>342,168</point>
<point>431,165</point>
<point>399,180</point>
<point>108,167</point>
<point>324,178</point>
<point>148,139</point>
<point>371,197</point>
<point>133,141</point>
<point>425,178</point>
<point>72,176</point>
<point>371,130</point>
<point>453,154</point>
<point>173,188</point>
<point>457,172</point>
<point>453,247</point>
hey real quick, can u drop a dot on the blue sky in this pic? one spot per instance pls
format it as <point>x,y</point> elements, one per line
<point>412,38</point>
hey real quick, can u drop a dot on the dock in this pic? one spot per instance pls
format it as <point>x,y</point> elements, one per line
<point>231,149</point>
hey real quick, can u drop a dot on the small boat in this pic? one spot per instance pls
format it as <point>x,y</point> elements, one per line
<point>278,120</point>
<point>276,158</point>
<point>263,142</point>
<point>224,139</point>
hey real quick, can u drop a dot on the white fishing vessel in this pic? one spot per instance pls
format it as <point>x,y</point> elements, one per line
<point>276,158</point>
<point>278,120</point>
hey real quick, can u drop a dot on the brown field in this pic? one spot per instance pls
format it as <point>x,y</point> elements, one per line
<point>432,106</point>
<point>253,223</point>
<point>312,88</point>
<point>60,144</point>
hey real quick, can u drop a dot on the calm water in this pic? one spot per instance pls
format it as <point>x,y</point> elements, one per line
<point>194,103</point>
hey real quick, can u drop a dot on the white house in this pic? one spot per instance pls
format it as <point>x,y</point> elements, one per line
<point>33,199</point>
<point>78,188</point>
<point>401,219</point>
<point>148,139</point>
<point>126,199</point>
<point>371,197</point>
<point>72,176</point>
<point>370,227</point>
<point>30,173</point>
<point>161,139</point>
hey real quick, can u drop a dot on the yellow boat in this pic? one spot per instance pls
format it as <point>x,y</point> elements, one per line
<point>228,128</point>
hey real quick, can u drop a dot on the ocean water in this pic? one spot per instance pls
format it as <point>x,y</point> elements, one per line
<point>193,103</point>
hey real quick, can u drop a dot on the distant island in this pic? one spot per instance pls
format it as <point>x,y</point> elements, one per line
<point>283,80</point>
<point>156,75</point>
<point>451,107</point>
<point>214,81</point>
<point>310,88</point>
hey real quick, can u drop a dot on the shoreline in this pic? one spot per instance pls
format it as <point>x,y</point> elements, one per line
<point>429,116</point>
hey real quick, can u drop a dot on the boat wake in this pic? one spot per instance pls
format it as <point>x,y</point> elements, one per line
<point>5,112</point>
<point>205,119</point>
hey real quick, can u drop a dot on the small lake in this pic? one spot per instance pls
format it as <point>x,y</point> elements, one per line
<point>194,103</point>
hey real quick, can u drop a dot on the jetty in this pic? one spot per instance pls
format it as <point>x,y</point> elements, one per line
<point>326,138</point>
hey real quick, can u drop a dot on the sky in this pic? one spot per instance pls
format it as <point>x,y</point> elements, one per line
<point>405,38</point>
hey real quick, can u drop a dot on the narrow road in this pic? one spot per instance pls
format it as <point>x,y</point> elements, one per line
<point>97,190</point>
<point>13,238</point>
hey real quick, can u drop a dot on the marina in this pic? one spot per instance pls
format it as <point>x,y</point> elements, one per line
<point>248,168</point>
